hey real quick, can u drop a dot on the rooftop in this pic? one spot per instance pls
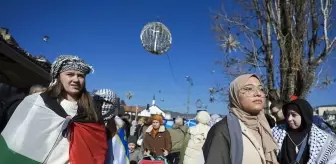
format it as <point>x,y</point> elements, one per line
<point>9,40</point>
<point>133,108</point>
<point>332,112</point>
<point>321,106</point>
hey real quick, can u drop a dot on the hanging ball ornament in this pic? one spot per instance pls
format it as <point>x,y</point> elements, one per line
<point>156,38</point>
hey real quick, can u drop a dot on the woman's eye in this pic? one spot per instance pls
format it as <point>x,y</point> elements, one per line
<point>248,89</point>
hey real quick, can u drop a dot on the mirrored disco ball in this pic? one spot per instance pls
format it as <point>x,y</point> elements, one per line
<point>156,38</point>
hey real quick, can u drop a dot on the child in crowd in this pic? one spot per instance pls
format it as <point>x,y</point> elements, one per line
<point>134,153</point>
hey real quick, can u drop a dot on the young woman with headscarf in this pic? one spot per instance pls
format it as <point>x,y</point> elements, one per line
<point>244,135</point>
<point>60,125</point>
<point>299,140</point>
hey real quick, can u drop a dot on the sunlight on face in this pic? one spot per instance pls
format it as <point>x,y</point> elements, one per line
<point>73,82</point>
<point>131,147</point>
<point>156,124</point>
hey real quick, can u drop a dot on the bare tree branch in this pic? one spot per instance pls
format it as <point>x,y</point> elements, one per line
<point>325,6</point>
<point>281,38</point>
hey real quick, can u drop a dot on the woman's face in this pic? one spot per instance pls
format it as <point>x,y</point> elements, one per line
<point>73,82</point>
<point>156,124</point>
<point>140,122</point>
<point>293,118</point>
<point>277,113</point>
<point>131,147</point>
<point>252,96</point>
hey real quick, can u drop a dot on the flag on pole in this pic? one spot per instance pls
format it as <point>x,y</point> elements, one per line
<point>118,146</point>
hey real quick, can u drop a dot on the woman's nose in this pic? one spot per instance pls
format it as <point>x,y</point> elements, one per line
<point>258,92</point>
<point>75,78</point>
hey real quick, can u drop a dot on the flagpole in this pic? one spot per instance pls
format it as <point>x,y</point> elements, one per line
<point>136,112</point>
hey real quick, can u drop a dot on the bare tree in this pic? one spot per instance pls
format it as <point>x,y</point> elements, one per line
<point>286,41</point>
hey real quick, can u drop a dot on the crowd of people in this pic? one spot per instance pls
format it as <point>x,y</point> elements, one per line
<point>64,123</point>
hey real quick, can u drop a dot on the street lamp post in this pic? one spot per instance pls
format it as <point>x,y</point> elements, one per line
<point>191,83</point>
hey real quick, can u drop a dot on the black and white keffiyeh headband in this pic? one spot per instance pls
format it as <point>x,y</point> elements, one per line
<point>66,63</point>
<point>108,101</point>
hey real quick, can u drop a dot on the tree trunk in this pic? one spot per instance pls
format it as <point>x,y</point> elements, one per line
<point>269,53</point>
<point>287,74</point>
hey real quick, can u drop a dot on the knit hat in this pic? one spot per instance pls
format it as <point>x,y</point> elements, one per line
<point>108,101</point>
<point>158,118</point>
<point>132,139</point>
<point>66,63</point>
<point>203,117</point>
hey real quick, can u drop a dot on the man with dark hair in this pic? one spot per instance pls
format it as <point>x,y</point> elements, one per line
<point>276,111</point>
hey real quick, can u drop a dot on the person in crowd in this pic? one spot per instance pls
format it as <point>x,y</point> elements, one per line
<point>157,141</point>
<point>214,119</point>
<point>13,102</point>
<point>106,102</point>
<point>127,124</point>
<point>148,122</point>
<point>244,135</point>
<point>270,120</point>
<point>46,122</point>
<point>276,109</point>
<point>177,133</point>
<point>126,117</point>
<point>299,140</point>
<point>139,127</point>
<point>322,124</point>
<point>134,153</point>
<point>133,127</point>
<point>192,148</point>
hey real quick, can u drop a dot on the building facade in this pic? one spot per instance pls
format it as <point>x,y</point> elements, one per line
<point>328,113</point>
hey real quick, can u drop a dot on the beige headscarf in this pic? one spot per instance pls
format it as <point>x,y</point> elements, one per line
<point>258,124</point>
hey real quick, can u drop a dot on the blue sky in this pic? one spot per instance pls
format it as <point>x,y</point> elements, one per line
<point>106,35</point>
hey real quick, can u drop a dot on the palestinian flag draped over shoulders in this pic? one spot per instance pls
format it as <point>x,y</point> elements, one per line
<point>38,132</point>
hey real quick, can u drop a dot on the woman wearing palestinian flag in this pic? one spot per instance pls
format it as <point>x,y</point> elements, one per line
<point>61,125</point>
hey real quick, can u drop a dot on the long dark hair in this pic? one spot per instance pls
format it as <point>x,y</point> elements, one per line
<point>85,101</point>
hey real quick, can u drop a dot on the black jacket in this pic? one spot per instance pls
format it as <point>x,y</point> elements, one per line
<point>8,109</point>
<point>216,149</point>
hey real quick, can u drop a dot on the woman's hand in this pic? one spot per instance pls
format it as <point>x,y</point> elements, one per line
<point>165,152</point>
<point>146,152</point>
